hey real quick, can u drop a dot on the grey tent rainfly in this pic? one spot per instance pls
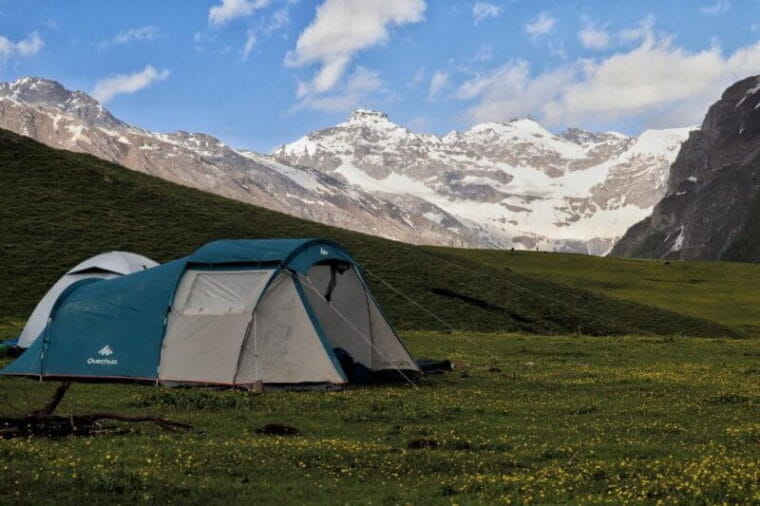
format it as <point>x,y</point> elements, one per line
<point>105,266</point>
<point>235,312</point>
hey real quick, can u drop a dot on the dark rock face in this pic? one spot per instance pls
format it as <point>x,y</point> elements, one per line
<point>711,210</point>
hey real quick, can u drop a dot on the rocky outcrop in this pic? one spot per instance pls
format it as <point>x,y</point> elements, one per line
<point>710,210</point>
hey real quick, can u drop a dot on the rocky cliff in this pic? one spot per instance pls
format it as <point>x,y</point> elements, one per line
<point>711,210</point>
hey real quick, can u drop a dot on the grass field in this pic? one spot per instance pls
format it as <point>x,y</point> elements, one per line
<point>724,292</point>
<point>550,420</point>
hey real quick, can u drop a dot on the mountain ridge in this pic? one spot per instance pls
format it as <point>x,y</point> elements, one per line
<point>507,172</point>
<point>495,185</point>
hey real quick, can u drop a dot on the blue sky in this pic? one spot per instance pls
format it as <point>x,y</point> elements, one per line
<point>258,73</point>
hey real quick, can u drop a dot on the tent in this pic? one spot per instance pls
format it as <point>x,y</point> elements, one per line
<point>103,266</point>
<point>235,312</point>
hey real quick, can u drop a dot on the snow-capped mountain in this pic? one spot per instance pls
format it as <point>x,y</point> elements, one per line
<point>495,185</point>
<point>513,184</point>
<point>49,113</point>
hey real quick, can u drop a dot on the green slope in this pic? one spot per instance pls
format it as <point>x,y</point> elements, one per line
<point>59,207</point>
<point>724,292</point>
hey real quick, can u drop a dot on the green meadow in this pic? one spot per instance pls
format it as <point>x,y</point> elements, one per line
<point>724,292</point>
<point>580,379</point>
<point>526,420</point>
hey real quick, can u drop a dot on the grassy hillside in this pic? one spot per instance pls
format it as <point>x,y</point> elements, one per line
<point>727,293</point>
<point>60,207</point>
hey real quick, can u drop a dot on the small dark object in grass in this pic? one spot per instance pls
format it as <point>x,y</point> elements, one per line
<point>586,410</point>
<point>464,375</point>
<point>448,490</point>
<point>731,399</point>
<point>419,444</point>
<point>494,369</point>
<point>397,429</point>
<point>276,429</point>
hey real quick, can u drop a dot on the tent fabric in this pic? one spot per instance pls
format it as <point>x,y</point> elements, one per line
<point>352,334</point>
<point>103,266</point>
<point>296,254</point>
<point>200,345</point>
<point>115,262</point>
<point>235,312</point>
<point>285,345</point>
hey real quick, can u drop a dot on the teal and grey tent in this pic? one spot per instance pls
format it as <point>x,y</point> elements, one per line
<point>235,312</point>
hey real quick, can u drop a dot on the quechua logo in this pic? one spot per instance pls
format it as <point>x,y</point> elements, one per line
<point>105,352</point>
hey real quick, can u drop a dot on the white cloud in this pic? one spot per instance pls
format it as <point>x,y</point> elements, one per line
<point>437,83</point>
<point>593,38</point>
<point>360,87</point>
<point>279,18</point>
<point>642,31</point>
<point>656,84</point>
<point>125,84</point>
<point>233,9</point>
<point>541,26</point>
<point>24,48</point>
<point>483,10</point>
<point>484,54</point>
<point>141,33</point>
<point>719,7</point>
<point>29,46</point>
<point>510,92</point>
<point>341,29</point>
<point>250,42</point>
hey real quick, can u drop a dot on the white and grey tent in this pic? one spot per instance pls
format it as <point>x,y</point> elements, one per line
<point>235,313</point>
<point>103,266</point>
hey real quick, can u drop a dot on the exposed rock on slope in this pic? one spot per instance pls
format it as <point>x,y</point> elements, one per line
<point>712,208</point>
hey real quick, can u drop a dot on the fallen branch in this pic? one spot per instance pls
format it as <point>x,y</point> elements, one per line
<point>42,422</point>
<point>77,425</point>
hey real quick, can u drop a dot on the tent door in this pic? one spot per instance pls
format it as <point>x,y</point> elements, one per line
<point>210,315</point>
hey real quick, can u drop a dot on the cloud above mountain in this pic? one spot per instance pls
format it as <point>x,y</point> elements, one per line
<point>24,48</point>
<point>124,84</point>
<point>657,81</point>
<point>229,10</point>
<point>258,71</point>
<point>341,29</point>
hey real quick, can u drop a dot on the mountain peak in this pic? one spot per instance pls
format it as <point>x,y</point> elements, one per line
<point>38,91</point>
<point>581,137</point>
<point>368,113</point>
<point>368,117</point>
<point>525,125</point>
